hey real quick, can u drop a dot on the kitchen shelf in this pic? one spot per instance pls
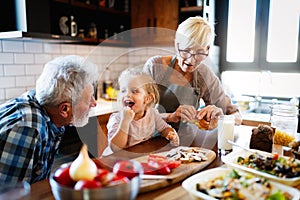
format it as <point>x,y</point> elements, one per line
<point>191,9</point>
<point>51,38</point>
<point>113,11</point>
<point>61,1</point>
<point>84,5</point>
<point>39,36</point>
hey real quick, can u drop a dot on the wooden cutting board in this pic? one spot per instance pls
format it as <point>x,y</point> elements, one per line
<point>183,171</point>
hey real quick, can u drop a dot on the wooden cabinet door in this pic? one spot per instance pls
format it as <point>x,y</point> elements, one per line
<point>141,13</point>
<point>166,13</point>
<point>166,20</point>
<point>147,16</point>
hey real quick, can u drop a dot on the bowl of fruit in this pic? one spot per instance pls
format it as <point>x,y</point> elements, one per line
<point>87,178</point>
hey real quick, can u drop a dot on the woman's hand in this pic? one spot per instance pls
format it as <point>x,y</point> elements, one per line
<point>210,114</point>
<point>184,113</point>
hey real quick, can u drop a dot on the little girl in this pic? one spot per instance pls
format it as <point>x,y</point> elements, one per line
<point>137,121</point>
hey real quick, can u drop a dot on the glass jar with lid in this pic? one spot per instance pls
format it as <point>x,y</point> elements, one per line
<point>285,119</point>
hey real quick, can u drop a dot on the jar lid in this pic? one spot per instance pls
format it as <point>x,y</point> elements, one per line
<point>284,109</point>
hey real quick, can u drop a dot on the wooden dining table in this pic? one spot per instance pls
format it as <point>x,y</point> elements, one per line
<point>42,191</point>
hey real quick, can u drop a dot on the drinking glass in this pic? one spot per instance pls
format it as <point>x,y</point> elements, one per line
<point>225,133</point>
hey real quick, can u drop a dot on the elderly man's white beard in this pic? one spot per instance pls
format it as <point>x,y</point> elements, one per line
<point>80,121</point>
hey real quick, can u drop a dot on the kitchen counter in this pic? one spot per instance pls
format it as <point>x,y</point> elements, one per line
<point>253,119</point>
<point>104,107</point>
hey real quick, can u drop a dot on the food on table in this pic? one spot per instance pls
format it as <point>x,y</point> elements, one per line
<point>295,145</point>
<point>83,168</point>
<point>187,154</point>
<point>126,168</point>
<point>283,167</point>
<point>283,138</point>
<point>295,148</point>
<point>262,138</point>
<point>239,185</point>
<point>159,164</point>
<point>80,173</point>
<point>201,124</point>
<point>90,184</point>
<point>62,176</point>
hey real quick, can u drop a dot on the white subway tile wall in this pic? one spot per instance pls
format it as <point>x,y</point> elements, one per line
<point>21,61</point>
<point>12,46</point>
<point>33,47</point>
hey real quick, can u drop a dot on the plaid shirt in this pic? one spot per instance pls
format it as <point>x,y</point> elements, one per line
<point>28,140</point>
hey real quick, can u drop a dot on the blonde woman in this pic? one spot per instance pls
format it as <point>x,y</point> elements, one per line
<point>137,121</point>
<point>184,79</point>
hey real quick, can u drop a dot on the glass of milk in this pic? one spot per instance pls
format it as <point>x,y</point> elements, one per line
<point>225,133</point>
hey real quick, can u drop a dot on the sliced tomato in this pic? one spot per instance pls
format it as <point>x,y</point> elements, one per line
<point>174,164</point>
<point>148,169</point>
<point>158,161</point>
<point>126,168</point>
<point>164,170</point>
<point>275,156</point>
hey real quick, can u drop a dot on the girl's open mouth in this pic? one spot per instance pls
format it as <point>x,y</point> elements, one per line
<point>130,104</point>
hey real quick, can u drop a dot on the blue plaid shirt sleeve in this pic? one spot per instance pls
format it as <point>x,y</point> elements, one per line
<point>16,162</point>
<point>29,140</point>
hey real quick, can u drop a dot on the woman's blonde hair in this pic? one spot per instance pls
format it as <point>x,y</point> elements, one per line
<point>194,32</point>
<point>149,84</point>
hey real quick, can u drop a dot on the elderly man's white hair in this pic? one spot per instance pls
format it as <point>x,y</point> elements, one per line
<point>63,80</point>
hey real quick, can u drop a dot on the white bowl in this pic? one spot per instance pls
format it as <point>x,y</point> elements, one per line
<point>190,184</point>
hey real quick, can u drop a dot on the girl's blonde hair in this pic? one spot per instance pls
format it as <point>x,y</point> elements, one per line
<point>149,84</point>
<point>193,32</point>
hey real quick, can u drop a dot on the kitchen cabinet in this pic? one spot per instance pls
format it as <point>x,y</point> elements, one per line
<point>108,20</point>
<point>153,21</point>
<point>191,8</point>
<point>50,19</point>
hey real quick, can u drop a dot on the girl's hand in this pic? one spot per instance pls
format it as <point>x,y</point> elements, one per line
<point>173,137</point>
<point>184,113</point>
<point>127,114</point>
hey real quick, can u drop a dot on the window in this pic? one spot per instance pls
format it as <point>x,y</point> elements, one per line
<point>259,35</point>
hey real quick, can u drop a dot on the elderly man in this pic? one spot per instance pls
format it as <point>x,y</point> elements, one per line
<point>32,125</point>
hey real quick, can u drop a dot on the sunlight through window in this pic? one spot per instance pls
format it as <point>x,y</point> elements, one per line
<point>283,31</point>
<point>241,31</point>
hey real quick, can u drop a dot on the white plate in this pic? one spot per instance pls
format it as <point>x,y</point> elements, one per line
<point>231,161</point>
<point>190,184</point>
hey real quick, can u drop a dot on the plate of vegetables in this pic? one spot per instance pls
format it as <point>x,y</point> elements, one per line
<point>226,183</point>
<point>281,169</point>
